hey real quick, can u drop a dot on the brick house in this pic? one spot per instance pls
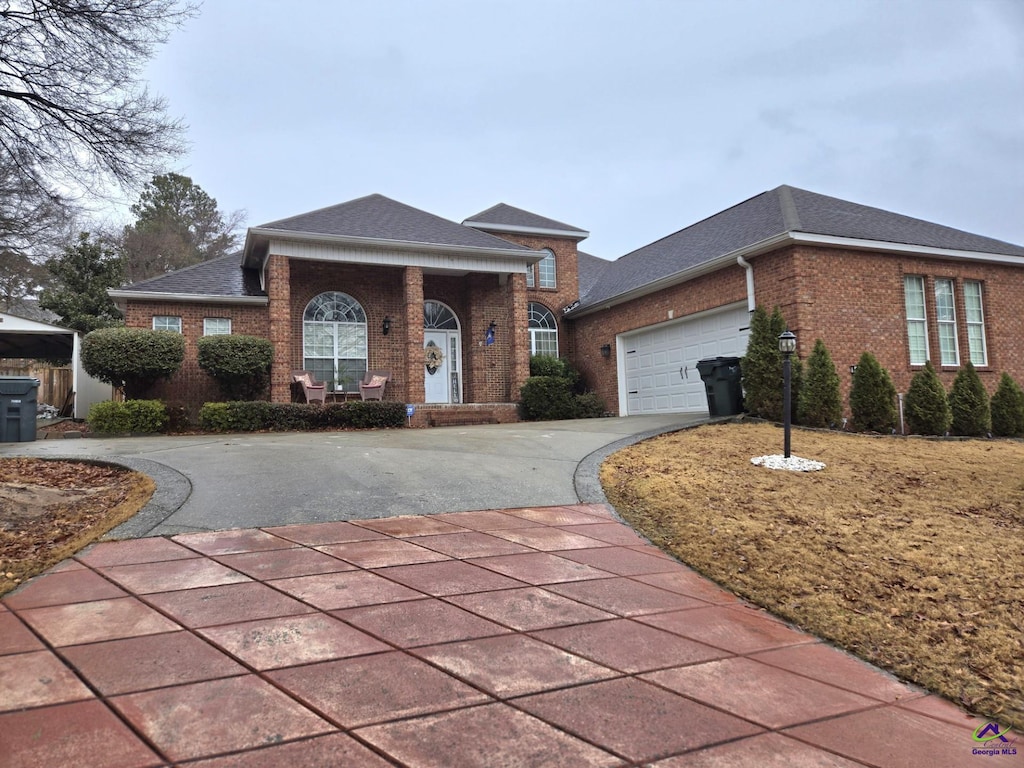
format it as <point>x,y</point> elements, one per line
<point>375,284</point>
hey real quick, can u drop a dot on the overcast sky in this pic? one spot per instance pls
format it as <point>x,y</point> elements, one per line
<point>627,118</point>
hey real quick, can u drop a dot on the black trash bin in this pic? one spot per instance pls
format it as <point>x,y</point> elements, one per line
<point>723,384</point>
<point>18,409</point>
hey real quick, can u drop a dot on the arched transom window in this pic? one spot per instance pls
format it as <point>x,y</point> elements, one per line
<point>334,339</point>
<point>437,316</point>
<point>543,331</point>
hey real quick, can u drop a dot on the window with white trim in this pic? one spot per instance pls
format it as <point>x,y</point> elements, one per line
<point>530,281</point>
<point>976,347</point>
<point>167,323</point>
<point>917,320</point>
<point>945,313</point>
<point>216,326</point>
<point>546,270</point>
<point>334,339</point>
<point>543,330</point>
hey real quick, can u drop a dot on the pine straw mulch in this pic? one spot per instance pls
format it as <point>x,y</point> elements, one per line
<point>50,509</point>
<point>908,552</point>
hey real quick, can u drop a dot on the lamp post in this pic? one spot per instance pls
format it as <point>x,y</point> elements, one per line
<point>787,346</point>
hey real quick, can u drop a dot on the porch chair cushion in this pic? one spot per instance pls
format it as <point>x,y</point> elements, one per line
<point>372,385</point>
<point>311,389</point>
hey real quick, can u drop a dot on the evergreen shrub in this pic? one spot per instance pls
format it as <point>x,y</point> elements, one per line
<point>820,404</point>
<point>239,364</point>
<point>1007,407</point>
<point>133,359</point>
<point>968,402</point>
<point>872,397</point>
<point>129,417</point>
<point>926,406</point>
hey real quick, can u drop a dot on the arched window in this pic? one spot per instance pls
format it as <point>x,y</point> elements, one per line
<point>546,270</point>
<point>543,331</point>
<point>437,316</point>
<point>334,339</point>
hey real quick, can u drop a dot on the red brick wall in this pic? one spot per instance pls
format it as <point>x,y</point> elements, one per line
<point>852,300</point>
<point>191,385</point>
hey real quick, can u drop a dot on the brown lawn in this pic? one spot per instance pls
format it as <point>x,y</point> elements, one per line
<point>51,509</point>
<point>906,551</point>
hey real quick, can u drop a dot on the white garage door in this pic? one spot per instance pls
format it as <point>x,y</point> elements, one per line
<point>661,364</point>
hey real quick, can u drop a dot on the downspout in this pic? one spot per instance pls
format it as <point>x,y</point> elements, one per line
<point>751,304</point>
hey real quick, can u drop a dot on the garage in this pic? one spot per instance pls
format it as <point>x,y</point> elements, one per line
<point>660,363</point>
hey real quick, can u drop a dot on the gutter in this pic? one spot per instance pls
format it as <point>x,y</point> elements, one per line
<point>189,297</point>
<point>793,238</point>
<point>531,256</point>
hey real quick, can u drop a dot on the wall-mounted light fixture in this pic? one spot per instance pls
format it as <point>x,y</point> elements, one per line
<point>606,351</point>
<point>386,326</point>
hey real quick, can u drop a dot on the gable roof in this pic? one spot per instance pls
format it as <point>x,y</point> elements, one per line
<point>773,219</point>
<point>507,218</point>
<point>221,278</point>
<point>376,219</point>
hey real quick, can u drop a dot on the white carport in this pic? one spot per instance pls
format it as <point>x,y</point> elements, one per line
<point>24,338</point>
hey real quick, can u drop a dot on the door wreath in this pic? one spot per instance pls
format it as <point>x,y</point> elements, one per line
<point>433,357</point>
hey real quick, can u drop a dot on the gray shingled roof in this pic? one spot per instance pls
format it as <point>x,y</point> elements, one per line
<point>223,276</point>
<point>777,212</point>
<point>590,270</point>
<point>510,216</point>
<point>380,218</point>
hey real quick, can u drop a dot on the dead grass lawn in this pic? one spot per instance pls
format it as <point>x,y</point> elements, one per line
<point>907,552</point>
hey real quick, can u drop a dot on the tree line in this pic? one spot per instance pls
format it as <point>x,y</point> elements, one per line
<point>79,126</point>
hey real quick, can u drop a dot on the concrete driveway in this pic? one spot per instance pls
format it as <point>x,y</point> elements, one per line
<point>220,482</point>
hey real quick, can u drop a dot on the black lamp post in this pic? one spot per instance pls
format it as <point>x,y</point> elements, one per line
<point>787,346</point>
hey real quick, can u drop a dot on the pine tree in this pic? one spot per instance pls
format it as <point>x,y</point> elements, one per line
<point>872,397</point>
<point>926,405</point>
<point>968,402</point>
<point>762,366</point>
<point>820,404</point>
<point>1007,408</point>
<point>82,274</point>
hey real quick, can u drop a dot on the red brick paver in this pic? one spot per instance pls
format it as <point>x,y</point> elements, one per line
<point>523,637</point>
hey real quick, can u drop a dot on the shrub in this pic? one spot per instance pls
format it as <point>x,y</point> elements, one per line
<point>544,398</point>
<point>872,397</point>
<point>819,403</point>
<point>588,406</point>
<point>257,415</point>
<point>761,367</point>
<point>926,406</point>
<point>131,416</point>
<point>968,402</point>
<point>239,364</point>
<point>1007,407</point>
<point>132,358</point>
<point>549,365</point>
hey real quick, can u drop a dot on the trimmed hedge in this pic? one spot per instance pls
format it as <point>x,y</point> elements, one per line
<point>131,416</point>
<point>257,415</point>
<point>239,364</point>
<point>132,358</point>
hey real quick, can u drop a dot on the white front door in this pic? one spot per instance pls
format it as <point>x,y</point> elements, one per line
<point>441,375</point>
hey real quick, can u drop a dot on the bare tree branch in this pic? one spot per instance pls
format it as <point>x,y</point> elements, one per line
<point>73,110</point>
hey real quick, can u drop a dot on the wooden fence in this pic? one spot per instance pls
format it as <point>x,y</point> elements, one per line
<point>54,383</point>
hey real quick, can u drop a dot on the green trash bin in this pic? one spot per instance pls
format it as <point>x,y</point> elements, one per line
<point>18,409</point>
<point>723,382</point>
